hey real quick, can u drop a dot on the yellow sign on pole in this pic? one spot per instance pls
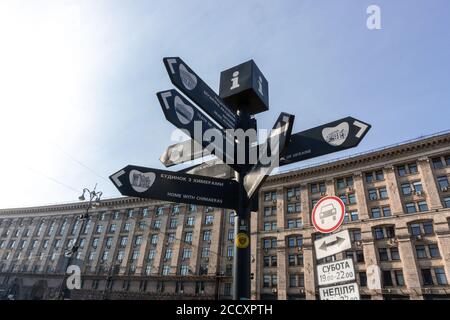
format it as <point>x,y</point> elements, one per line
<point>242,240</point>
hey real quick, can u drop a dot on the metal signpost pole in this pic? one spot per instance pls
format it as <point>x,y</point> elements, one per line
<point>241,263</point>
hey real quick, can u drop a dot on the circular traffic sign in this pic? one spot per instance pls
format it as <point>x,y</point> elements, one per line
<point>242,240</point>
<point>328,214</point>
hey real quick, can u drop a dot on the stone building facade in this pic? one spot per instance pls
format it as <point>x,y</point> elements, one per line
<point>397,211</point>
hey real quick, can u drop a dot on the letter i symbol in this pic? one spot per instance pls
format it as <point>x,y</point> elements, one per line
<point>260,89</point>
<point>235,80</point>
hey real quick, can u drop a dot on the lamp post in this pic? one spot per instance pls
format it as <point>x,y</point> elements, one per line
<point>94,201</point>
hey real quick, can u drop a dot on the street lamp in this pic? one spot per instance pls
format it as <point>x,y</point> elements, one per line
<point>94,201</point>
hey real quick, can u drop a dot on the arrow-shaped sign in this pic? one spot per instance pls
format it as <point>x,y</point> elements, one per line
<point>332,244</point>
<point>170,186</point>
<point>280,135</point>
<point>335,136</point>
<point>182,152</point>
<point>198,91</point>
<point>336,242</point>
<point>181,113</point>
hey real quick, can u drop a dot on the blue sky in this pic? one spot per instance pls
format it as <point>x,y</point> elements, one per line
<point>79,78</point>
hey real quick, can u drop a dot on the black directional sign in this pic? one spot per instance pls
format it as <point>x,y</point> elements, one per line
<point>213,168</point>
<point>182,152</point>
<point>198,91</point>
<point>164,185</point>
<point>280,134</point>
<point>328,138</point>
<point>181,113</point>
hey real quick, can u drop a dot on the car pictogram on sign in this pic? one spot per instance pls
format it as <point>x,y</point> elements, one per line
<point>328,211</point>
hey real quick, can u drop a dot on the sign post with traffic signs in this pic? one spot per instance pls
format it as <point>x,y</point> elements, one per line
<point>231,180</point>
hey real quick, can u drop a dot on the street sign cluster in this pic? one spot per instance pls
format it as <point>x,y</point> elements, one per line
<point>327,216</point>
<point>213,123</point>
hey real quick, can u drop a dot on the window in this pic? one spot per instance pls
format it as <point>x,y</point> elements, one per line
<point>440,276</point>
<point>382,253</point>
<point>406,189</point>
<point>399,278</point>
<point>386,211</point>
<point>231,217</point>
<point>362,279</point>
<point>422,206</point>
<point>230,234</point>
<point>359,256</point>
<point>188,237</point>
<point>209,219</point>
<point>426,277</point>
<point>379,175</point>
<point>373,194</point>
<point>383,193</point>
<point>127,226</point>
<point>379,233</point>
<point>428,228</point>
<point>410,207</point>
<point>355,235</point>
<point>295,223</point>
<point>447,202</point>
<point>369,177</point>
<point>187,253</point>
<point>291,260</point>
<point>151,254</point>
<point>292,280</point>
<point>230,251</point>
<point>190,221</point>
<point>420,252</point>
<point>176,208</point>
<point>138,240</point>
<point>154,239</point>
<point>145,212</point>
<point>376,213</point>
<point>157,224</point>
<point>270,196</point>
<point>184,270</point>
<point>434,251</point>
<point>207,235</point>
<point>412,167</point>
<point>142,225</point>
<point>112,228</point>
<point>295,242</point>
<point>443,183</point>
<point>116,215</point>
<point>415,229</point>
<point>266,280</point>
<point>105,255</point>
<point>168,254</point>
<point>417,186</point>
<point>123,241</point>
<point>192,208</point>
<point>351,198</point>
<point>387,278</point>
<point>173,223</point>
<point>166,270</point>
<point>437,163</point>
<point>395,256</point>
<point>120,255</point>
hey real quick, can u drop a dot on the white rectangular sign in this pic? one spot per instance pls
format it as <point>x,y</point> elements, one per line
<point>349,291</point>
<point>332,244</point>
<point>335,272</point>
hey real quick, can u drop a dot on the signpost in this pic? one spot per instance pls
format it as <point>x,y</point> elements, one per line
<point>226,183</point>
<point>182,152</point>
<point>348,291</point>
<point>280,133</point>
<point>181,113</point>
<point>164,185</point>
<point>328,138</point>
<point>335,272</point>
<point>198,91</point>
